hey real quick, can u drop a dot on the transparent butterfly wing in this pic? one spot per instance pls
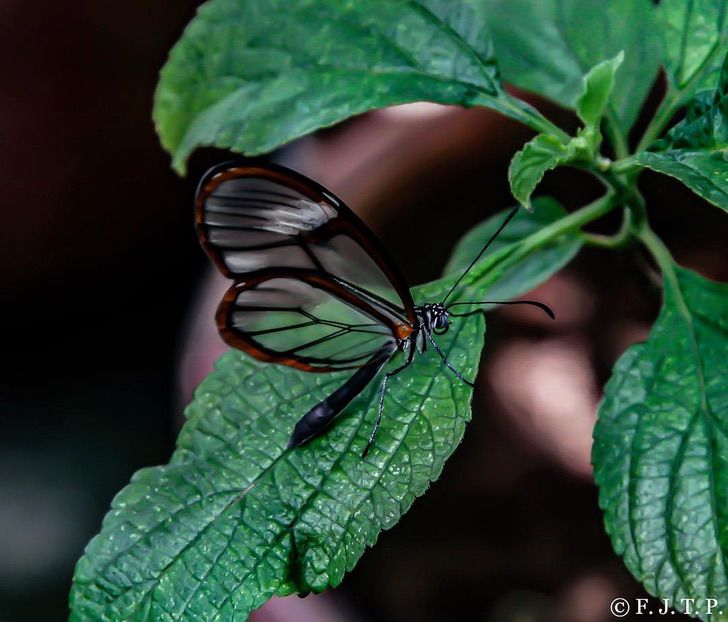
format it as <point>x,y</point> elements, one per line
<point>335,290</point>
<point>304,320</point>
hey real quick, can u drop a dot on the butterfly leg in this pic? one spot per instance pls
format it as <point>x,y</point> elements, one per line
<point>380,404</point>
<point>447,363</point>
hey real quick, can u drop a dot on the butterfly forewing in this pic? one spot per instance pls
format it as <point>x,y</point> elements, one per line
<point>314,288</point>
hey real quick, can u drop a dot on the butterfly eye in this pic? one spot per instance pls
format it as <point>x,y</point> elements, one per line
<point>442,323</point>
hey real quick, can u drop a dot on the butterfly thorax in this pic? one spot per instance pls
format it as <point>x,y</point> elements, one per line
<point>433,318</point>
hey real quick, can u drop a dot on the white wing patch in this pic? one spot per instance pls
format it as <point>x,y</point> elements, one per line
<point>304,215</point>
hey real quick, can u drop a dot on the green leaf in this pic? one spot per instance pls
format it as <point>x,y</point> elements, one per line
<point>695,34</point>
<point>592,103</point>
<point>704,172</point>
<point>539,155</point>
<point>530,271</point>
<point>705,124</point>
<point>547,47</point>
<point>254,75</point>
<point>661,448</point>
<point>697,127</point>
<point>695,151</point>
<point>235,518</point>
<point>546,152</point>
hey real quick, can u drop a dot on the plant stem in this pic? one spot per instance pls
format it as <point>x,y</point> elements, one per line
<point>627,193</point>
<point>624,166</point>
<point>658,250</point>
<point>523,112</point>
<point>618,240</point>
<point>503,260</point>
<point>637,207</point>
<point>575,220</point>
<point>666,263</point>
<point>665,112</point>
<point>616,137</point>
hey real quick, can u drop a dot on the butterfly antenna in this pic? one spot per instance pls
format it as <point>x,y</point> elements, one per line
<point>534,303</point>
<point>482,250</point>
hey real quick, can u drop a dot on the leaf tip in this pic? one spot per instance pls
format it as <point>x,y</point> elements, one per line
<point>526,204</point>
<point>179,165</point>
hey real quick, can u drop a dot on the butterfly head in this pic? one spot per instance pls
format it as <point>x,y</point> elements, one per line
<point>435,318</point>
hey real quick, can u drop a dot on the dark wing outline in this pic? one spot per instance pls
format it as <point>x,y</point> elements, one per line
<point>346,222</point>
<point>343,291</point>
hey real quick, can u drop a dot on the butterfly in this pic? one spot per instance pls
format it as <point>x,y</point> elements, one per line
<point>313,287</point>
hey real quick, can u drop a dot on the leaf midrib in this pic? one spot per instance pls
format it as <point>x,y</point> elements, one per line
<point>454,35</point>
<point>290,529</point>
<point>684,39</point>
<point>319,69</point>
<point>705,413</point>
<point>457,39</point>
<point>414,66</point>
<point>208,571</point>
<point>238,496</point>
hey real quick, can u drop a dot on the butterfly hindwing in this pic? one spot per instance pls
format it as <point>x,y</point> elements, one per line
<point>304,319</point>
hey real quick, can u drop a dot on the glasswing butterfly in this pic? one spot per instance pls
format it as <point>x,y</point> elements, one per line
<point>313,287</point>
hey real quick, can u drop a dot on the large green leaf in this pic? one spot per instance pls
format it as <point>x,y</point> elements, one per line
<point>547,47</point>
<point>235,518</point>
<point>695,34</point>
<point>695,150</point>
<point>254,75</point>
<point>530,270</point>
<point>661,448</point>
<point>704,172</point>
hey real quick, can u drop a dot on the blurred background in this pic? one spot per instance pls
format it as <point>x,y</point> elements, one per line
<point>108,327</point>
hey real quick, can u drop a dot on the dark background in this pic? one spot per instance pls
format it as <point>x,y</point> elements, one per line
<point>100,268</point>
